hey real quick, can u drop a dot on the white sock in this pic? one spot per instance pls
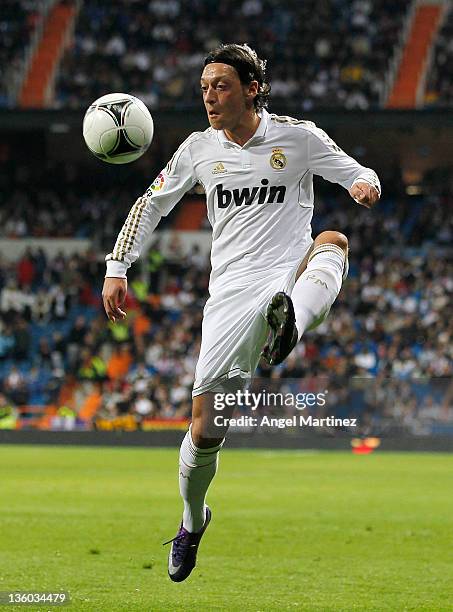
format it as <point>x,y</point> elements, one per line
<point>197,467</point>
<point>318,286</point>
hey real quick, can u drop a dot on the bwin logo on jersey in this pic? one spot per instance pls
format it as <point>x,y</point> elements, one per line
<point>247,195</point>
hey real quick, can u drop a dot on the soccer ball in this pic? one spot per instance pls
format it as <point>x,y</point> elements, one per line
<point>118,128</point>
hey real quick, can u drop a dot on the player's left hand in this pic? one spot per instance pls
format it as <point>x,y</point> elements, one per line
<point>364,194</point>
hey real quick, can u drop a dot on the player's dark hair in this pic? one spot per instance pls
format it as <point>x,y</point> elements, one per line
<point>248,66</point>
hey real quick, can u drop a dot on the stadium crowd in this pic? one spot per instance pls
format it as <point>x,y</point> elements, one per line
<point>73,206</point>
<point>320,53</point>
<point>18,20</point>
<point>393,318</point>
<point>439,88</point>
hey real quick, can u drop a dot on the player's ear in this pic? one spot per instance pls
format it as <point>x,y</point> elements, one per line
<point>252,90</point>
<point>254,87</point>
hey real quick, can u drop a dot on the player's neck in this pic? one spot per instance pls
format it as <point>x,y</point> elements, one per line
<point>244,130</point>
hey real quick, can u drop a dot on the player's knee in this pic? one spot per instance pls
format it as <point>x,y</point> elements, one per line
<point>333,237</point>
<point>205,432</point>
<point>200,437</point>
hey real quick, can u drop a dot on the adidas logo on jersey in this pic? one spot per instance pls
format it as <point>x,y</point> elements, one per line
<point>219,168</point>
<point>247,195</point>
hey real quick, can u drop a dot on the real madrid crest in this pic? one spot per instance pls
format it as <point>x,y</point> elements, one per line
<point>278,159</point>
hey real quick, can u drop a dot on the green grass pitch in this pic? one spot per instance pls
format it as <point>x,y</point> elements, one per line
<point>290,531</point>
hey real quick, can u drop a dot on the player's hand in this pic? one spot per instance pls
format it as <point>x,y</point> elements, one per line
<point>113,294</point>
<point>364,194</point>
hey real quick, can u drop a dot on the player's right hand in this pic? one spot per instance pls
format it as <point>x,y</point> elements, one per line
<point>364,194</point>
<point>113,294</point>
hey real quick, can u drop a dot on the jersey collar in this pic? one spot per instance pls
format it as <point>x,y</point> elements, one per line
<point>258,136</point>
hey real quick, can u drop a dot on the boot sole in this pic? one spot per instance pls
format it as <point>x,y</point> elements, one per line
<point>281,319</point>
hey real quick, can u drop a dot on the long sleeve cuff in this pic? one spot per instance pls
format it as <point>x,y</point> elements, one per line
<point>370,178</point>
<point>116,269</point>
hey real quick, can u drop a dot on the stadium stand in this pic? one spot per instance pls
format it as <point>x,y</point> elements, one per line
<point>73,206</point>
<point>322,54</point>
<point>37,86</point>
<point>63,365</point>
<point>424,25</point>
<point>18,20</point>
<point>392,319</point>
<point>439,88</point>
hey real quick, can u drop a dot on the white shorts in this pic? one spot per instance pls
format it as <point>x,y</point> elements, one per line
<point>234,331</point>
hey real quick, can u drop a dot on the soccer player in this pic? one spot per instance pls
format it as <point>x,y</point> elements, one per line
<point>270,279</point>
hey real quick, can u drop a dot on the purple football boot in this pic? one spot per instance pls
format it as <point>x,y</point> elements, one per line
<point>183,552</point>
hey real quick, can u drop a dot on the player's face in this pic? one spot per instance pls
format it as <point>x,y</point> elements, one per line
<point>225,98</point>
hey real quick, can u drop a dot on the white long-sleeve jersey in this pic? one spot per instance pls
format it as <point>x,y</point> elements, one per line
<point>259,196</point>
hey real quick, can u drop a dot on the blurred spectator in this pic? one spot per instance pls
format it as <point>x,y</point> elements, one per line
<point>22,340</point>
<point>41,307</point>
<point>14,385</point>
<point>8,413</point>
<point>74,341</point>
<point>6,340</point>
<point>26,269</point>
<point>65,419</point>
<point>119,362</point>
<point>143,406</point>
<point>44,355</point>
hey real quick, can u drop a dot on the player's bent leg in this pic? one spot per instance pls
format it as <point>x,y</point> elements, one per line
<point>324,238</point>
<point>204,433</point>
<point>198,461</point>
<point>318,282</point>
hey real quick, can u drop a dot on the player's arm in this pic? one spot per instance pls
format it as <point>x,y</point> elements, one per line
<point>143,218</point>
<point>329,161</point>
